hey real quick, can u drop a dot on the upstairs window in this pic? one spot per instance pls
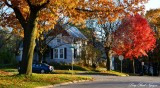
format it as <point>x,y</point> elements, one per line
<point>55,53</point>
<point>58,41</point>
<point>61,53</point>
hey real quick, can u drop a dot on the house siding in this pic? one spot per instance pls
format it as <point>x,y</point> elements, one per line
<point>70,36</point>
<point>69,52</point>
<point>68,59</point>
<point>19,57</point>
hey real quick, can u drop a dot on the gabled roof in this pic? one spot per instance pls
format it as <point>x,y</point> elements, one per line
<point>67,30</point>
<point>74,32</point>
<point>58,30</point>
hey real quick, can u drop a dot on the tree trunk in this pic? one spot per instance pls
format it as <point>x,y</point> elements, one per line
<point>28,52</point>
<point>40,58</point>
<point>40,49</point>
<point>29,44</point>
<point>149,64</point>
<point>158,69</point>
<point>133,66</point>
<point>108,59</point>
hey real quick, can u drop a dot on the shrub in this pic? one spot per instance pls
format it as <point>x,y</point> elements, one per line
<point>7,59</point>
<point>60,66</point>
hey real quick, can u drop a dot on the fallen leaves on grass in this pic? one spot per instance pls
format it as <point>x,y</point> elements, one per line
<point>3,73</point>
<point>17,81</point>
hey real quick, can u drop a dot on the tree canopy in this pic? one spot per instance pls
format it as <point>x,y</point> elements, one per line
<point>76,10</point>
<point>31,17</point>
<point>154,19</point>
<point>134,37</point>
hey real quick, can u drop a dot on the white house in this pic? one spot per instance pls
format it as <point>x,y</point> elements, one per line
<point>66,47</point>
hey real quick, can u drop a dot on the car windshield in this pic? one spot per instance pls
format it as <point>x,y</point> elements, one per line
<point>44,64</point>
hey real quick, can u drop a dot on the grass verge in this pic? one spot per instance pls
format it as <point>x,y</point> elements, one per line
<point>97,72</point>
<point>8,80</point>
<point>116,73</point>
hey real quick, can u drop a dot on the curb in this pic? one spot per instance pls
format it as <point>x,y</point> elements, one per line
<point>62,84</point>
<point>125,75</point>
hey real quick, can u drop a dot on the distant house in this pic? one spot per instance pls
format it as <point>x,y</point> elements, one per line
<point>65,47</point>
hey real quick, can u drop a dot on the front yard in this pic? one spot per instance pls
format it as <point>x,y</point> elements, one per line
<point>9,78</point>
<point>98,71</point>
<point>12,80</point>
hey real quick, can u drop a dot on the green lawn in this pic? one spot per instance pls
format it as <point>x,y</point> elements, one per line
<point>10,80</point>
<point>115,73</point>
<point>97,72</point>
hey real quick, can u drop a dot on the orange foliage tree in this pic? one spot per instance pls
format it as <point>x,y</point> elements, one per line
<point>154,19</point>
<point>26,16</point>
<point>134,37</point>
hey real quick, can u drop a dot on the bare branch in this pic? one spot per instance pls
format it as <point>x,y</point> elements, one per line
<point>6,41</point>
<point>29,3</point>
<point>8,4</point>
<point>44,4</point>
<point>20,17</point>
<point>37,8</point>
<point>3,12</point>
<point>84,10</point>
<point>18,13</point>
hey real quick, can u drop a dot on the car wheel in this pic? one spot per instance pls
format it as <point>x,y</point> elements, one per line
<point>42,71</point>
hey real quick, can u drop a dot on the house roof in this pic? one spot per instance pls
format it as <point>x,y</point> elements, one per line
<point>67,30</point>
<point>74,32</point>
<point>58,30</point>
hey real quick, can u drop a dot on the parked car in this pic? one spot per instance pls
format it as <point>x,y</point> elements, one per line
<point>146,67</point>
<point>41,68</point>
<point>147,70</point>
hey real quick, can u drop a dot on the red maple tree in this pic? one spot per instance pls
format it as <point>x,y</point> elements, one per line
<point>134,37</point>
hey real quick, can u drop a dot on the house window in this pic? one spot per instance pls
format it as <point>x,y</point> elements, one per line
<point>61,53</point>
<point>75,53</point>
<point>55,53</point>
<point>51,53</point>
<point>58,41</point>
<point>65,53</point>
<point>58,53</point>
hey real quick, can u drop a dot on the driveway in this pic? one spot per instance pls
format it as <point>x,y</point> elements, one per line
<point>116,82</point>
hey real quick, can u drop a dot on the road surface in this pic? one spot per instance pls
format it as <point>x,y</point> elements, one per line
<point>116,82</point>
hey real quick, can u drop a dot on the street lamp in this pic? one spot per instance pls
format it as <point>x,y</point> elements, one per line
<point>142,68</point>
<point>72,47</point>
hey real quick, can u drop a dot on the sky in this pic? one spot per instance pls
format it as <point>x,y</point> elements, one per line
<point>152,4</point>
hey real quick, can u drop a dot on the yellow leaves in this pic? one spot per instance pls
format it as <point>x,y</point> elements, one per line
<point>72,5</point>
<point>154,19</point>
<point>25,11</point>
<point>38,2</point>
<point>102,10</point>
<point>37,34</point>
<point>68,1</point>
<point>18,32</point>
<point>153,16</point>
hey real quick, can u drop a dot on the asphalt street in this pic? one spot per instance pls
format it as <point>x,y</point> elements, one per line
<point>101,81</point>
